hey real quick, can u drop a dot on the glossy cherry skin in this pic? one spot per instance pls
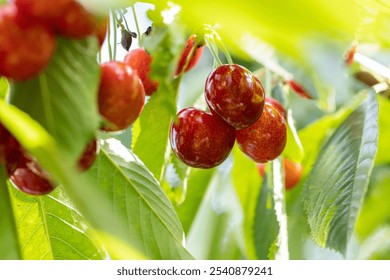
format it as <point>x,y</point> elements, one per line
<point>41,8</point>
<point>292,172</point>
<point>24,172</point>
<point>121,95</point>
<point>190,55</point>
<point>266,139</point>
<point>199,139</point>
<point>277,105</point>
<point>140,61</point>
<point>26,47</point>
<point>235,94</point>
<point>75,22</point>
<point>89,155</point>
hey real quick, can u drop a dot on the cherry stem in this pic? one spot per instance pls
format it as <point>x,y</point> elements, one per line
<point>109,39</point>
<point>213,49</point>
<point>372,65</point>
<point>137,26</point>
<point>114,31</point>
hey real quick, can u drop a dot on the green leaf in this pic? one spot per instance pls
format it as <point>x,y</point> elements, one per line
<point>9,244</point>
<point>152,128</point>
<point>97,211</point>
<point>377,246</point>
<point>376,210</point>
<point>384,124</point>
<point>216,232</point>
<point>49,227</point>
<point>247,182</point>
<point>336,186</point>
<point>63,99</point>
<point>3,87</point>
<point>266,226</point>
<point>139,201</point>
<point>198,181</point>
<point>313,136</point>
<point>293,149</point>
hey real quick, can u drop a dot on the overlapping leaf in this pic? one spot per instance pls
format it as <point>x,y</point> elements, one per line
<point>138,199</point>
<point>337,183</point>
<point>63,99</point>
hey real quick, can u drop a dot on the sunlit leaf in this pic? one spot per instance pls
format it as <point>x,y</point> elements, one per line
<point>216,232</point>
<point>49,227</point>
<point>198,181</point>
<point>247,183</point>
<point>336,186</point>
<point>138,199</point>
<point>150,136</point>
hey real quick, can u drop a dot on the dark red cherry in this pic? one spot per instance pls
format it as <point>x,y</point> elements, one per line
<point>235,94</point>
<point>24,172</point>
<point>266,139</point>
<point>199,139</point>
<point>89,155</point>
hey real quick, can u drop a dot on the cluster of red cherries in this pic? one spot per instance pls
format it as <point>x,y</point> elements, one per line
<point>124,85</point>
<point>28,32</point>
<point>239,111</point>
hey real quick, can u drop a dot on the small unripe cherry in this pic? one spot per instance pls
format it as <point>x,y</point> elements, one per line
<point>199,139</point>
<point>235,94</point>
<point>190,55</point>
<point>121,95</point>
<point>266,139</point>
<point>140,61</point>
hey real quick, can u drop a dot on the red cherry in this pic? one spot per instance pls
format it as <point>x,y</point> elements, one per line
<point>188,60</point>
<point>25,47</point>
<point>299,89</point>
<point>292,172</point>
<point>75,22</point>
<point>140,61</point>
<point>199,139</point>
<point>266,138</point>
<point>235,94</point>
<point>41,8</point>
<point>89,155</point>
<point>277,105</point>
<point>121,95</point>
<point>25,173</point>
